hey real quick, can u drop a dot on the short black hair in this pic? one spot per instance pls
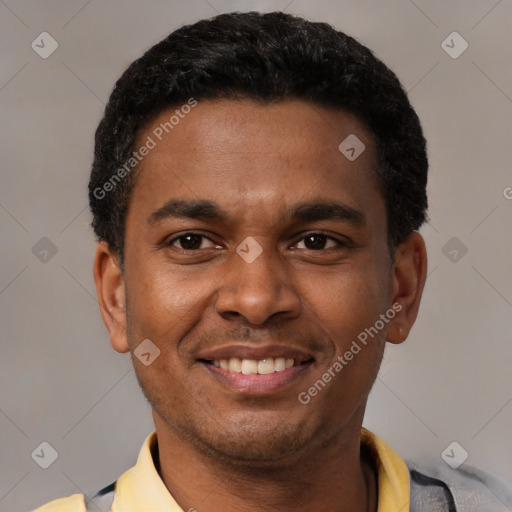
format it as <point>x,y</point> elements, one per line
<point>267,57</point>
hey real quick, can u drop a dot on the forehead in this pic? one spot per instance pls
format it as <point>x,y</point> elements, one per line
<point>246,154</point>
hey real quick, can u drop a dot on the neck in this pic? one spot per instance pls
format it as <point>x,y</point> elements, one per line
<point>336,476</point>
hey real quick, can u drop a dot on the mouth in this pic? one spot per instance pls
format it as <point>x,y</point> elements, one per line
<point>256,370</point>
<point>264,366</point>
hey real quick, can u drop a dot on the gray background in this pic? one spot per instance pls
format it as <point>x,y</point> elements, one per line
<point>61,382</point>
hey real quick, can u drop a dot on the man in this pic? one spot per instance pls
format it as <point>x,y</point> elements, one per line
<point>256,191</point>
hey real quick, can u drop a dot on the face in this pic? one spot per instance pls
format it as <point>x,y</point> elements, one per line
<point>253,243</point>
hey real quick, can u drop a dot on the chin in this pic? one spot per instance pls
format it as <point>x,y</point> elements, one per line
<point>253,441</point>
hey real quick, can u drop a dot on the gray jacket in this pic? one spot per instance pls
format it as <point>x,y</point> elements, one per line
<point>438,488</point>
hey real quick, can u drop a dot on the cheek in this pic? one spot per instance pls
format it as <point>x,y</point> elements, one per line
<point>163,307</point>
<point>346,311</point>
<point>347,302</point>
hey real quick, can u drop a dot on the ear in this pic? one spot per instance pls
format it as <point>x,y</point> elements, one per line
<point>110,289</point>
<point>408,274</point>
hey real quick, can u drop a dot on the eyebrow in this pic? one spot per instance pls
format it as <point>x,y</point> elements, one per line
<point>191,209</point>
<point>310,211</point>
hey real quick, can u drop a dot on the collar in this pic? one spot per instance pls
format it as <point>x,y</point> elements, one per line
<point>393,474</point>
<point>140,489</point>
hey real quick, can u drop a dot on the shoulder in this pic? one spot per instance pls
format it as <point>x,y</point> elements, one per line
<point>465,489</point>
<point>74,503</point>
<point>100,502</point>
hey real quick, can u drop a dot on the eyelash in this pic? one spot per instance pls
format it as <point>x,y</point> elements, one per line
<point>341,243</point>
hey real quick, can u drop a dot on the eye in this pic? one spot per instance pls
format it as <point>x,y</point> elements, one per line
<point>319,241</point>
<point>191,242</point>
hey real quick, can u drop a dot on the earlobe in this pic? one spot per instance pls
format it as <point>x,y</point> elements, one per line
<point>408,281</point>
<point>110,290</point>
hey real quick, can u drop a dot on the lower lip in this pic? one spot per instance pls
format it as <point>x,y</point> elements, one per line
<point>258,385</point>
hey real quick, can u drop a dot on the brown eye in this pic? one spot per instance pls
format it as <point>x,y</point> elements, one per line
<point>319,241</point>
<point>190,242</point>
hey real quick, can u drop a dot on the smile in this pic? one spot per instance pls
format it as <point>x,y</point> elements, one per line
<point>256,369</point>
<point>254,366</point>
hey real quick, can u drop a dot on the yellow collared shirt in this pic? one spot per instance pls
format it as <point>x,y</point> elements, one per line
<point>140,489</point>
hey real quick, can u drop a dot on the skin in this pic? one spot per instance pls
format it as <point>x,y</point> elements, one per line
<point>222,449</point>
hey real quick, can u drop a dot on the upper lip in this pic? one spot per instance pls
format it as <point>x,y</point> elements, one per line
<point>255,352</point>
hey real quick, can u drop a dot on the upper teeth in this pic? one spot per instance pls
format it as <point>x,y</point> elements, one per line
<point>253,366</point>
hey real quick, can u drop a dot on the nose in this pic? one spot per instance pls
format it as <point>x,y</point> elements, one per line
<point>256,291</point>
